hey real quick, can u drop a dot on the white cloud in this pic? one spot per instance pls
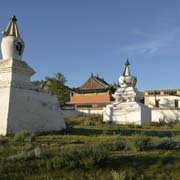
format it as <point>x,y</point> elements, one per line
<point>152,43</point>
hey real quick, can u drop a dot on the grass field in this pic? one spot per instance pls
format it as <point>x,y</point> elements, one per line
<point>91,150</point>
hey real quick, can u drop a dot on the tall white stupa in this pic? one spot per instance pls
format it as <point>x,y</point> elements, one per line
<point>127,108</point>
<point>23,106</point>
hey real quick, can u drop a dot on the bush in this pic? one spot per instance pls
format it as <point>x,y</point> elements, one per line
<point>3,140</point>
<point>87,120</point>
<point>119,145</point>
<point>24,136</point>
<point>118,176</point>
<point>86,158</point>
<point>35,153</point>
<point>163,124</point>
<point>143,143</point>
<point>130,146</point>
<point>139,143</point>
<point>168,144</point>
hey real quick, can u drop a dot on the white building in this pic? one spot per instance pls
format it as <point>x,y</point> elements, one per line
<point>22,105</point>
<point>158,105</point>
<point>164,104</point>
<point>127,108</point>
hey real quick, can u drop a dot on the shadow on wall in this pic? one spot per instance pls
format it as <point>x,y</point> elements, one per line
<point>165,115</point>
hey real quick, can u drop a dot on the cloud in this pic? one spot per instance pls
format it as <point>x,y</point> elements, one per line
<point>152,43</point>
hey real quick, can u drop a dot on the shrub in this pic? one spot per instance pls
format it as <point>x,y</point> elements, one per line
<point>131,146</point>
<point>119,145</point>
<point>69,122</point>
<point>24,136</point>
<point>3,140</point>
<point>85,158</point>
<point>139,143</point>
<point>87,120</point>
<point>132,126</point>
<point>118,176</point>
<point>142,143</point>
<point>97,118</point>
<point>163,123</point>
<point>168,144</point>
<point>26,155</point>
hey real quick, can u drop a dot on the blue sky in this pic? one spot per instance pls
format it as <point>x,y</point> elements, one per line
<point>80,37</point>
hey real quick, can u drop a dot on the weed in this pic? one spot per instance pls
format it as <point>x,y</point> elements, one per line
<point>85,158</point>
<point>118,175</point>
<point>167,144</point>
<point>24,136</point>
<point>26,155</point>
<point>3,140</point>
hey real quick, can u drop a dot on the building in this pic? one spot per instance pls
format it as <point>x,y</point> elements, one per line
<point>92,96</point>
<point>127,107</point>
<point>23,105</point>
<point>165,104</point>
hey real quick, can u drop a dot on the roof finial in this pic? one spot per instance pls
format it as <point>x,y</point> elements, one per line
<point>92,75</point>
<point>12,29</point>
<point>126,70</point>
<point>13,18</point>
<point>127,62</point>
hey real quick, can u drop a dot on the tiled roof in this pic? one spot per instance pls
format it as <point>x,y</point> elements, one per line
<point>95,82</point>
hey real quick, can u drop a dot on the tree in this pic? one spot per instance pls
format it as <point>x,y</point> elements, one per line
<point>56,86</point>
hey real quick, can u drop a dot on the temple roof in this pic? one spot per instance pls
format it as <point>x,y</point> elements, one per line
<point>12,29</point>
<point>94,84</point>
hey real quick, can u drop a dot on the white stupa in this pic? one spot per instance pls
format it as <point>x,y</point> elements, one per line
<point>23,106</point>
<point>127,108</point>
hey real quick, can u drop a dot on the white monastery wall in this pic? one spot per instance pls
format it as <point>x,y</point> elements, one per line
<point>165,114</point>
<point>164,101</point>
<point>33,111</point>
<point>91,111</point>
<point>127,113</point>
<point>166,110</point>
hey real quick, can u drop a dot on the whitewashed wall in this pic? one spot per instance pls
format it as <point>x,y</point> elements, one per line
<point>4,104</point>
<point>165,101</point>
<point>91,111</point>
<point>127,113</point>
<point>165,114</point>
<point>32,111</point>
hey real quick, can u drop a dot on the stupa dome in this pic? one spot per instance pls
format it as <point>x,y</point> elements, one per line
<point>12,44</point>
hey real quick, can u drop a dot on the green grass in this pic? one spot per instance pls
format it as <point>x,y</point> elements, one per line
<point>91,150</point>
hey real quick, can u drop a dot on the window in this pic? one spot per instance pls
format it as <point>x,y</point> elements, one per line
<point>154,93</point>
<point>157,92</point>
<point>170,92</point>
<point>157,103</point>
<point>176,103</point>
<point>173,93</point>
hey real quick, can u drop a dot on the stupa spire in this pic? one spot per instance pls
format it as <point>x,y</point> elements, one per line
<point>12,28</point>
<point>127,70</point>
<point>12,44</point>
